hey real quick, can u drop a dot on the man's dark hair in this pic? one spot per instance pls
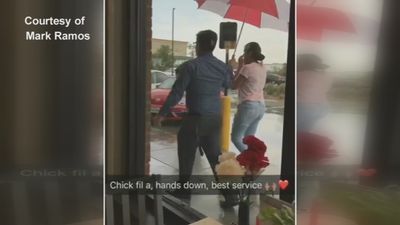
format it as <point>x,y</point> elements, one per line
<point>207,40</point>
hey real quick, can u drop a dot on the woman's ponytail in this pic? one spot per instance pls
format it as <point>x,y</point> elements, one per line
<point>260,57</point>
<point>255,50</point>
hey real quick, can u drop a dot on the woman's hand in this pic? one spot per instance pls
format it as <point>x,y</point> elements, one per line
<point>241,61</point>
<point>233,63</point>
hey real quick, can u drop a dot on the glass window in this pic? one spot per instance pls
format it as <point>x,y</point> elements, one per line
<point>189,19</point>
<point>167,84</point>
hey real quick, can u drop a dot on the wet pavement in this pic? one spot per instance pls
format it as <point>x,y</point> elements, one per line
<point>164,160</point>
<point>164,157</point>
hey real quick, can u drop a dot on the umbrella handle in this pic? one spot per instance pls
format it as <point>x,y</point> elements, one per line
<point>240,33</point>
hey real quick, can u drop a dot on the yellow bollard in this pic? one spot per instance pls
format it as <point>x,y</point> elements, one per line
<point>226,123</point>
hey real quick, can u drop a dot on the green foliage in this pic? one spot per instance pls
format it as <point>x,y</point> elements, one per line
<point>366,206</point>
<point>283,216</point>
<point>275,90</point>
<point>164,56</point>
<point>282,71</point>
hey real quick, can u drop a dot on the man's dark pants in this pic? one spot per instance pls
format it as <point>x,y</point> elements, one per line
<point>203,132</point>
<point>198,131</point>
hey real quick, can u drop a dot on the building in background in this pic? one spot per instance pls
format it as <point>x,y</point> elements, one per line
<point>162,57</point>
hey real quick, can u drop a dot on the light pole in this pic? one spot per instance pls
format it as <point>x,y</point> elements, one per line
<point>172,43</point>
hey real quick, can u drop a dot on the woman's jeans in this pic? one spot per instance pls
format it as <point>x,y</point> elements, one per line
<point>308,115</point>
<point>246,121</point>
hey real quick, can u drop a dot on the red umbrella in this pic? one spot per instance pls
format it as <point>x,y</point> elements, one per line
<point>313,21</point>
<point>260,13</point>
<point>272,14</point>
<point>265,6</point>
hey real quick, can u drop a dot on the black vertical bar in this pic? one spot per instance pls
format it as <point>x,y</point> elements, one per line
<point>137,65</point>
<point>288,145</point>
<point>227,63</point>
<point>137,87</point>
<point>172,42</point>
<point>383,120</point>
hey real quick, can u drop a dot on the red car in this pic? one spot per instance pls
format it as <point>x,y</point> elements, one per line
<point>159,96</point>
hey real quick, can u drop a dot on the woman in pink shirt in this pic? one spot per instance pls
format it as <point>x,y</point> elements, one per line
<point>313,86</point>
<point>249,80</point>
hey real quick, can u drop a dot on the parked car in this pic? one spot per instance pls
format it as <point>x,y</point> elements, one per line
<point>159,96</point>
<point>157,77</point>
<point>169,71</point>
<point>275,78</point>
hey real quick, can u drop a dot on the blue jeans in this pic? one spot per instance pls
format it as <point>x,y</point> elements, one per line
<point>246,121</point>
<point>309,114</point>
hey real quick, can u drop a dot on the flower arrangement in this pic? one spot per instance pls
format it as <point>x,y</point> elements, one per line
<point>229,166</point>
<point>250,162</point>
<point>253,159</point>
<point>245,167</point>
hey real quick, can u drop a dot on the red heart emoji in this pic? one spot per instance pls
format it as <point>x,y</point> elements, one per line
<point>367,172</point>
<point>283,184</point>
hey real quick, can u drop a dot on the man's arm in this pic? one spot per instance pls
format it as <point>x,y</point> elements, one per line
<point>178,89</point>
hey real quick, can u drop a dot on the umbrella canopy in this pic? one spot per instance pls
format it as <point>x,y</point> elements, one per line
<point>272,14</point>
<point>313,21</point>
<point>265,6</point>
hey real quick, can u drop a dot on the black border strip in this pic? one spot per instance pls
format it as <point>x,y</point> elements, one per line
<point>289,134</point>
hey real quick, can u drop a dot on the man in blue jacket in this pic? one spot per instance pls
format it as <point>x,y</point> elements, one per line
<point>203,79</point>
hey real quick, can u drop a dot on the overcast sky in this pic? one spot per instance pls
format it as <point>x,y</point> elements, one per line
<point>342,56</point>
<point>189,20</point>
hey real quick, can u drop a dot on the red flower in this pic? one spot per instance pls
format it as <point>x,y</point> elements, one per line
<point>252,161</point>
<point>255,144</point>
<point>254,157</point>
<point>312,148</point>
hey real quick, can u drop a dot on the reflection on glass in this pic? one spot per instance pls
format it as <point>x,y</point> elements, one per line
<point>336,47</point>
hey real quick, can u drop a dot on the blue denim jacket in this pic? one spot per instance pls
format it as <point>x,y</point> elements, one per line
<point>203,79</point>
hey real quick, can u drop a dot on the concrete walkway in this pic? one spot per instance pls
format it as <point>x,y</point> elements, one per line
<point>164,161</point>
<point>164,157</point>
